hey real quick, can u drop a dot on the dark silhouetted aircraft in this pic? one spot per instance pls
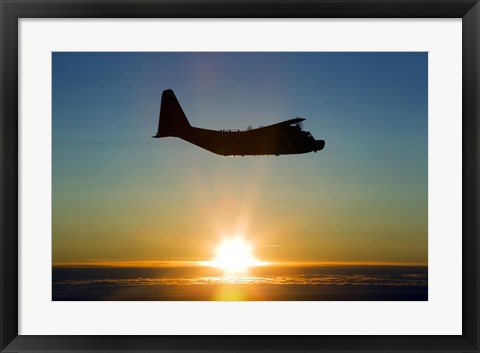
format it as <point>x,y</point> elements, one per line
<point>286,137</point>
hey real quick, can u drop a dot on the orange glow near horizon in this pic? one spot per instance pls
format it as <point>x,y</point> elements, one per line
<point>234,256</point>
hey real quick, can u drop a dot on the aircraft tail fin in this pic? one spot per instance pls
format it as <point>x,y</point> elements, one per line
<point>172,120</point>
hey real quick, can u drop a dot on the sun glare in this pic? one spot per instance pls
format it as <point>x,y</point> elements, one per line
<point>234,256</point>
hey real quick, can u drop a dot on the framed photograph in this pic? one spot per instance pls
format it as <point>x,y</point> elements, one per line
<point>229,176</point>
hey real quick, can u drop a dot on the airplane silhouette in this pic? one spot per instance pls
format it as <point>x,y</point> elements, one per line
<point>276,139</point>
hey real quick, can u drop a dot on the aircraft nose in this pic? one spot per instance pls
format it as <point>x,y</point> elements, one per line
<point>319,145</point>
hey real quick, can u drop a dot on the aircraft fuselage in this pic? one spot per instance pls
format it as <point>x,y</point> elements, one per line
<point>261,141</point>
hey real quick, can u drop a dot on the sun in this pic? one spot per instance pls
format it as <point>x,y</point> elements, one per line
<point>234,256</point>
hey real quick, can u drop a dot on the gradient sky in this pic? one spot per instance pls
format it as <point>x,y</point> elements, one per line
<point>119,194</point>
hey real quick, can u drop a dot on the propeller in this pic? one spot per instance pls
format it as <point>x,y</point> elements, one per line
<point>299,124</point>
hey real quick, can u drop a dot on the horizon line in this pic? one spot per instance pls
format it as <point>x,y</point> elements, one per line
<point>205,263</point>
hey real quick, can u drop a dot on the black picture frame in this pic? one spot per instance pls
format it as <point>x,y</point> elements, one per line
<point>12,10</point>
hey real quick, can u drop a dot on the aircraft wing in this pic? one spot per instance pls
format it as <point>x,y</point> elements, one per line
<point>287,122</point>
